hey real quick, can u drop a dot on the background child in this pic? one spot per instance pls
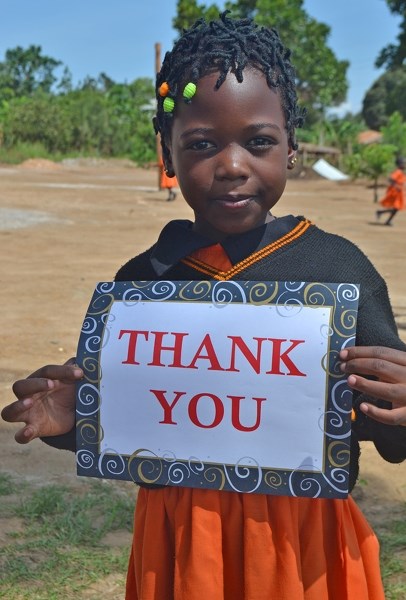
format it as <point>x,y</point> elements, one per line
<point>227,116</point>
<point>394,199</point>
<point>167,183</point>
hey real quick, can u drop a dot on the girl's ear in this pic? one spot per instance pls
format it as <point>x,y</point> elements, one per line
<point>292,159</point>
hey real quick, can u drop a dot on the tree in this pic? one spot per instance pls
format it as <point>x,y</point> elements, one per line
<point>65,84</point>
<point>385,97</point>
<point>321,77</point>
<point>188,11</point>
<point>342,133</point>
<point>37,119</point>
<point>393,56</point>
<point>26,71</point>
<point>395,133</point>
<point>372,162</point>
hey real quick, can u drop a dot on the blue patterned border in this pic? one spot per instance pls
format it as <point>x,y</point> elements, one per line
<point>145,466</point>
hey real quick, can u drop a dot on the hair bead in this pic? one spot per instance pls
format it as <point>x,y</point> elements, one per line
<point>163,89</point>
<point>189,91</point>
<point>169,104</point>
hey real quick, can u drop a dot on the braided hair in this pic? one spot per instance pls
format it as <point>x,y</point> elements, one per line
<point>227,46</point>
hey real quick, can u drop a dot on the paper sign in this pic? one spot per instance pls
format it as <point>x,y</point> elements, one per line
<point>223,385</point>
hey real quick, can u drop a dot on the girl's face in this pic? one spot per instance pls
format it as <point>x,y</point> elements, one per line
<point>229,150</point>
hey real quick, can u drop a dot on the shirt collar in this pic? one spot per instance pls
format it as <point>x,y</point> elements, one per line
<point>178,240</point>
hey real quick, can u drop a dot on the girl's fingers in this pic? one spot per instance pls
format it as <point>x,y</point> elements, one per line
<point>67,372</point>
<point>392,392</point>
<point>46,379</point>
<point>384,363</point>
<point>24,388</point>
<point>378,353</point>
<point>15,412</point>
<point>396,416</point>
<point>25,435</point>
<point>395,393</point>
<point>384,370</point>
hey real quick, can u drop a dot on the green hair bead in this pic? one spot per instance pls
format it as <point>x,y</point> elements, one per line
<point>169,104</point>
<point>189,91</point>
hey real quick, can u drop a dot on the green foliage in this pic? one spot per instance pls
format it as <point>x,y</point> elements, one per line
<point>394,133</point>
<point>6,485</point>
<point>99,117</point>
<point>22,151</point>
<point>26,71</point>
<point>393,56</point>
<point>36,119</point>
<point>372,162</point>
<point>188,11</point>
<point>353,165</point>
<point>335,132</point>
<point>321,77</point>
<point>385,97</point>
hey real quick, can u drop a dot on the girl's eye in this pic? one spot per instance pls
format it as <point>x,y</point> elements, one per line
<point>261,142</point>
<point>201,145</point>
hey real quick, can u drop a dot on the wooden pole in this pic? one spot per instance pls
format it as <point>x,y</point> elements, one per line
<point>158,137</point>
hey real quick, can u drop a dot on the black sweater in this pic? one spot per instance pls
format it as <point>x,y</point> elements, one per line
<point>288,249</point>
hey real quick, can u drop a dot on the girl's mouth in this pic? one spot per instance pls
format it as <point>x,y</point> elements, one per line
<point>234,202</point>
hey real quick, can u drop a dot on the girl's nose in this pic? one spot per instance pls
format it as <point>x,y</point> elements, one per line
<point>232,163</point>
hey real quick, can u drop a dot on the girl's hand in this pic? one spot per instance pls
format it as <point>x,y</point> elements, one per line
<point>389,366</point>
<point>45,402</point>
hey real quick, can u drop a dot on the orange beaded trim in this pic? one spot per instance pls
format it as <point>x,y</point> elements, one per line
<point>253,258</point>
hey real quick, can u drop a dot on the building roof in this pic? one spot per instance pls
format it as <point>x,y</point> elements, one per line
<point>369,137</point>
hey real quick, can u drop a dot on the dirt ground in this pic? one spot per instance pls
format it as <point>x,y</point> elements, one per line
<point>65,227</point>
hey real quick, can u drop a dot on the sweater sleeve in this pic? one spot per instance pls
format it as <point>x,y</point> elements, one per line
<point>67,441</point>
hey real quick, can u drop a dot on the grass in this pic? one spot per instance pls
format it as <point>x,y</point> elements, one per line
<point>24,150</point>
<point>392,538</point>
<point>56,550</point>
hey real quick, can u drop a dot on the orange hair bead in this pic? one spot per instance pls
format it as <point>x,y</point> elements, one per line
<point>163,89</point>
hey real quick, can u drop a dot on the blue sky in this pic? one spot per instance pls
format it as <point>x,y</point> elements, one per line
<point>118,36</point>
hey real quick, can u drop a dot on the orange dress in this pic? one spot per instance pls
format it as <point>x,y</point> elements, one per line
<point>166,182</point>
<point>194,544</point>
<point>394,196</point>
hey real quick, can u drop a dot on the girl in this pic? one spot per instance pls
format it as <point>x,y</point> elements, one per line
<point>394,199</point>
<point>227,113</point>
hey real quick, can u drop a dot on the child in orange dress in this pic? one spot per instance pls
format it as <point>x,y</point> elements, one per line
<point>167,182</point>
<point>227,113</point>
<point>394,199</point>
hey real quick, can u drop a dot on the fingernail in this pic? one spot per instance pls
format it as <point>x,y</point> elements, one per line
<point>27,402</point>
<point>27,432</point>
<point>78,373</point>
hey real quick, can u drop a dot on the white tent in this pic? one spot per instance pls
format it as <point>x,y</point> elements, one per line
<point>323,168</point>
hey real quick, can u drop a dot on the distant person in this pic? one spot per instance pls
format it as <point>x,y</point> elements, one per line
<point>168,182</point>
<point>394,199</point>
